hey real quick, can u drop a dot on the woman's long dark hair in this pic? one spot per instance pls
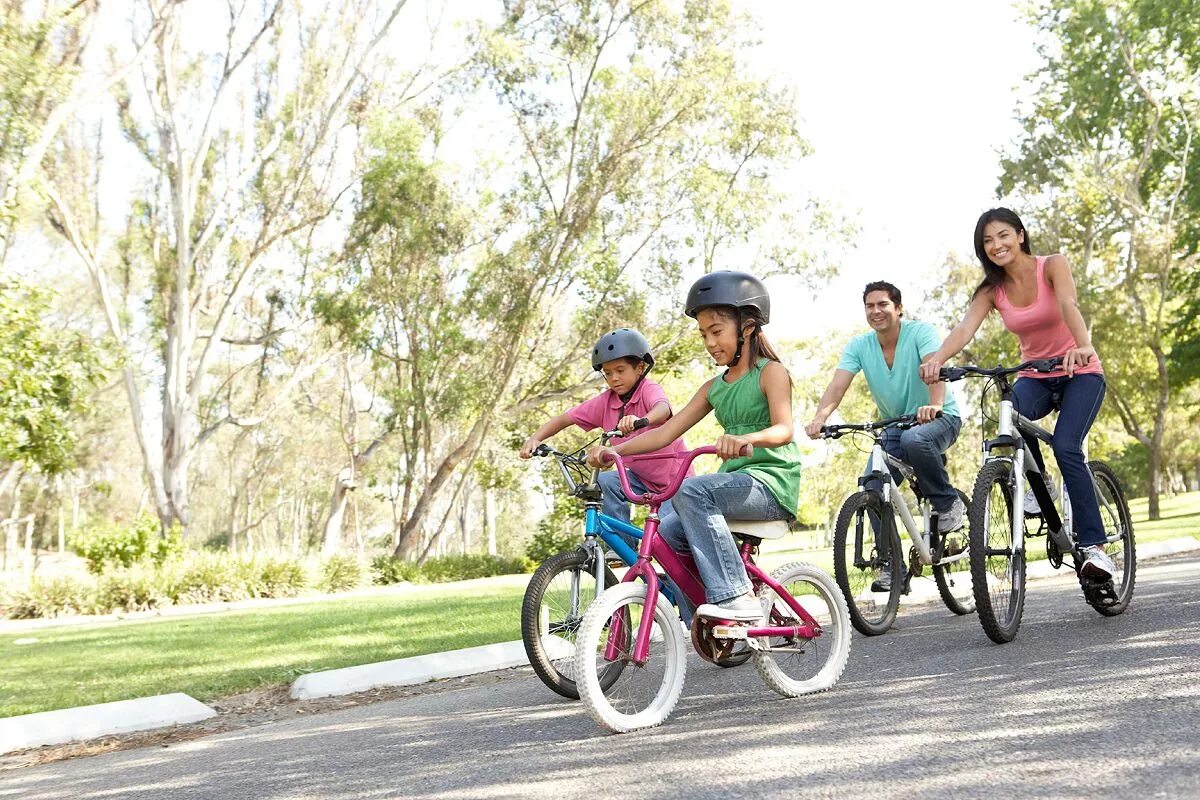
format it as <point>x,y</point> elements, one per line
<point>992,274</point>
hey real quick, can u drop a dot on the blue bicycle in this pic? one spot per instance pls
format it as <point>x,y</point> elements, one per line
<point>563,587</point>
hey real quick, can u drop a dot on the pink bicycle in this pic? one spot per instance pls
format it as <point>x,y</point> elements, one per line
<point>802,647</point>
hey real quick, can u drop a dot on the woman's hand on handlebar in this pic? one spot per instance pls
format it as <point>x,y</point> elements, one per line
<point>930,373</point>
<point>1078,357</point>
<point>530,445</point>
<point>730,446</point>
<point>601,457</point>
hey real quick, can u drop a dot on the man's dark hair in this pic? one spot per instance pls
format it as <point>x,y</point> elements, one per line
<point>883,286</point>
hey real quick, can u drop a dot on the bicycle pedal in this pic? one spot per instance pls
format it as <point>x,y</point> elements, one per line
<point>729,631</point>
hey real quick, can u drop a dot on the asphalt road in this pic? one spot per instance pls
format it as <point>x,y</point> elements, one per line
<point>1077,706</point>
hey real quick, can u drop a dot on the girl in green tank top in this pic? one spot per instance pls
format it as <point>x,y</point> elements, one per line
<point>760,474</point>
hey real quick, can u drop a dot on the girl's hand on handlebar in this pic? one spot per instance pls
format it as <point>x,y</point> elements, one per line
<point>530,445</point>
<point>626,423</point>
<point>927,413</point>
<point>1078,357</point>
<point>601,457</point>
<point>729,446</point>
<point>929,372</point>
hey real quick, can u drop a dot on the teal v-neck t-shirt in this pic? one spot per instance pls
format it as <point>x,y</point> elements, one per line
<point>897,390</point>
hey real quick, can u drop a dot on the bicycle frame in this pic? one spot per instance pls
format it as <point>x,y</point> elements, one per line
<point>878,469</point>
<point>681,569</point>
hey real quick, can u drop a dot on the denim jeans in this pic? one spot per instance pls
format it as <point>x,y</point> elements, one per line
<point>698,525</point>
<point>921,448</point>
<point>1081,398</point>
<point>614,503</point>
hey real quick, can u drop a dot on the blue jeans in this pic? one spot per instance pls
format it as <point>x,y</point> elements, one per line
<point>614,503</point>
<point>921,448</point>
<point>698,525</point>
<point>1081,397</point>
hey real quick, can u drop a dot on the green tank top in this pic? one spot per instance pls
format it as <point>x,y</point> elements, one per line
<point>742,408</point>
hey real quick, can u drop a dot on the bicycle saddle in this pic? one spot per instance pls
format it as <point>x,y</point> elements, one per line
<point>757,528</point>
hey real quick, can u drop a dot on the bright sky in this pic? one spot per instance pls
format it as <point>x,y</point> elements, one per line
<point>906,105</point>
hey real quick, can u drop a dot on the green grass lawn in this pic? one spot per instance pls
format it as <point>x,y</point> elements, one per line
<point>222,654</point>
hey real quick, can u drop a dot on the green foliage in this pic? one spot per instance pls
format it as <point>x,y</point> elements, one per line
<point>272,577</point>
<point>340,574</point>
<point>50,598</point>
<point>386,570</point>
<point>471,565</point>
<point>44,373</point>
<point>205,578</point>
<point>110,545</point>
<point>137,589</point>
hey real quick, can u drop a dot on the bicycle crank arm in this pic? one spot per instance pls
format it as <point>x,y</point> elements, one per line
<point>786,631</point>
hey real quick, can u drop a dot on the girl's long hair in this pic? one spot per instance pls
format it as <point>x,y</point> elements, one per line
<point>993,275</point>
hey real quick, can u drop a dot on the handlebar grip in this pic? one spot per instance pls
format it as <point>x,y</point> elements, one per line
<point>542,450</point>
<point>938,415</point>
<point>641,422</point>
<point>951,373</point>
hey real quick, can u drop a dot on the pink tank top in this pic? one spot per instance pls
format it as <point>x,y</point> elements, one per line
<point>1040,327</point>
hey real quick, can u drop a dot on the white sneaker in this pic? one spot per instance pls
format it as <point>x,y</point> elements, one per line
<point>1096,563</point>
<point>746,608</point>
<point>952,519</point>
<point>1031,504</point>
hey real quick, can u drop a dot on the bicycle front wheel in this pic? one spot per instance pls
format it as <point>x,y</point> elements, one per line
<point>643,695</point>
<point>798,666</point>
<point>997,569</point>
<point>1114,513</point>
<point>556,599</point>
<point>867,562</point>
<point>953,577</point>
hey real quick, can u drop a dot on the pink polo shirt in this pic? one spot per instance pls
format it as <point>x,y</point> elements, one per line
<point>604,411</point>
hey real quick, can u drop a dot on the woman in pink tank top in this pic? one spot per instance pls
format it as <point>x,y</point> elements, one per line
<point>1035,296</point>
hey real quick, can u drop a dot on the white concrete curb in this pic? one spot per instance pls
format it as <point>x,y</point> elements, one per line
<point>408,671</point>
<point>105,719</point>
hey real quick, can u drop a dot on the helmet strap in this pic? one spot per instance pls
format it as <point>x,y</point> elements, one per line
<point>625,398</point>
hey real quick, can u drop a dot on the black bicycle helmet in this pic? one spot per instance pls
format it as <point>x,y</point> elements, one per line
<point>621,343</point>
<point>738,290</point>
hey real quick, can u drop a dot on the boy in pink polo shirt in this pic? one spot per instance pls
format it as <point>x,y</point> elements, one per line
<point>623,356</point>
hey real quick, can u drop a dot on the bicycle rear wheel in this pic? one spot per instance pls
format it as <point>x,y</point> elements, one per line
<point>1114,512</point>
<point>795,666</point>
<point>552,610</point>
<point>997,571</point>
<point>863,557</point>
<point>954,579</point>
<point>643,695</point>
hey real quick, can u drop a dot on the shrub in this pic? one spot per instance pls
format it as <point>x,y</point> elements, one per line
<point>206,578</point>
<point>168,548</point>
<point>389,569</point>
<point>471,565</point>
<point>108,545</point>
<point>550,540</point>
<point>51,598</point>
<point>272,577</point>
<point>129,590</point>
<point>340,573</point>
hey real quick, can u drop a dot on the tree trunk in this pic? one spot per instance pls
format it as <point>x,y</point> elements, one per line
<point>489,519</point>
<point>343,484</point>
<point>1155,476</point>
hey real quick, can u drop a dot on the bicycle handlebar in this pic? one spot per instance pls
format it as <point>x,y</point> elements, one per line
<point>838,431</point>
<point>650,497</point>
<point>950,374</point>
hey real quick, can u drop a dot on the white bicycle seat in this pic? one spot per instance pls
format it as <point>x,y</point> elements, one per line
<point>759,529</point>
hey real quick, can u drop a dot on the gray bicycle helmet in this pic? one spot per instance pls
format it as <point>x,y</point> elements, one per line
<point>729,288</point>
<point>621,343</point>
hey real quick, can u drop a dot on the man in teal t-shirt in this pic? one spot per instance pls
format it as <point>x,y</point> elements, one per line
<point>890,357</point>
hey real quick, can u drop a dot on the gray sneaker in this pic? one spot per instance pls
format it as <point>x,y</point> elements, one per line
<point>745,608</point>
<point>952,518</point>
<point>1096,563</point>
<point>1031,503</point>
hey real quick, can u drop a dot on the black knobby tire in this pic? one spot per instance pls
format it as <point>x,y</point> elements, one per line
<point>946,577</point>
<point>558,674</point>
<point>997,577</point>
<point>870,617</point>
<point>1109,485</point>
